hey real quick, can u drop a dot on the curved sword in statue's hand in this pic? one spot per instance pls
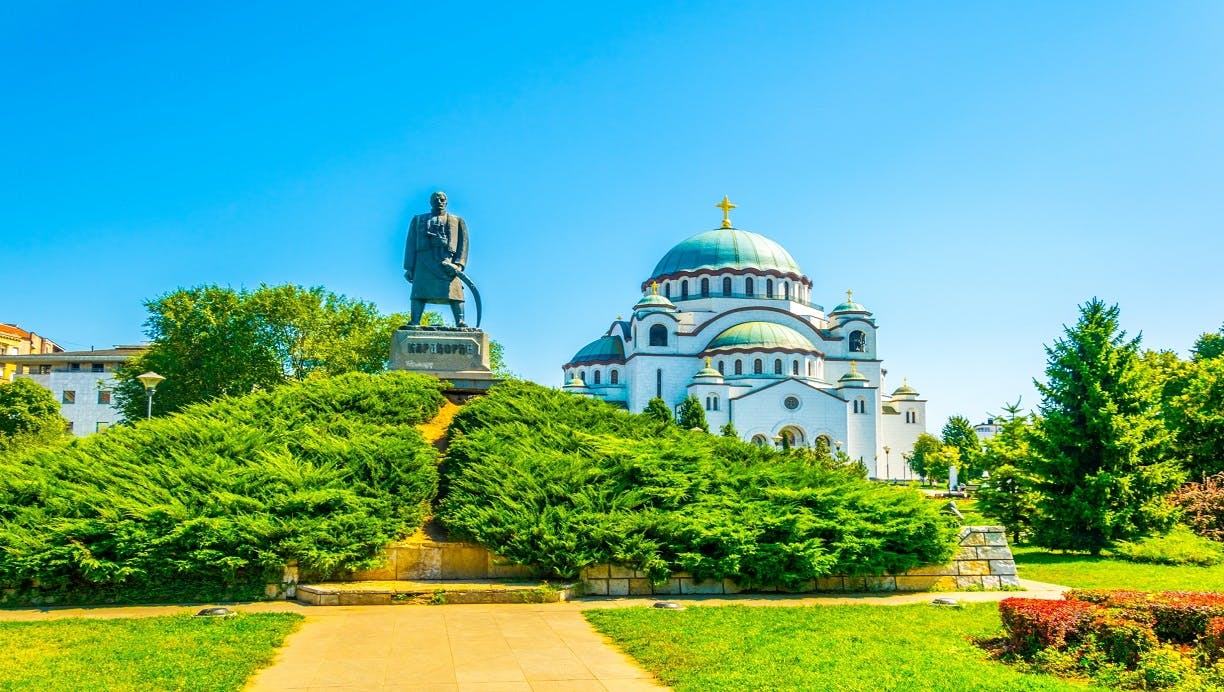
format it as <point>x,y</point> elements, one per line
<point>464,278</point>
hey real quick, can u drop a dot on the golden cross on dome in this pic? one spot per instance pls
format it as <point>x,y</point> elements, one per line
<point>654,288</point>
<point>707,361</point>
<point>853,369</point>
<point>726,206</point>
<point>849,296</point>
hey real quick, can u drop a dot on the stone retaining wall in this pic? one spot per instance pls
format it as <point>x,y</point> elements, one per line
<point>437,560</point>
<point>984,561</point>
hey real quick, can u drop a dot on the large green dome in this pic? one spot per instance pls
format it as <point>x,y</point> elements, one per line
<point>760,336</point>
<point>605,349</point>
<point>726,248</point>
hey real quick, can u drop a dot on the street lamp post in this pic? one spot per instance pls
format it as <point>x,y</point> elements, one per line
<point>887,476</point>
<point>150,380</point>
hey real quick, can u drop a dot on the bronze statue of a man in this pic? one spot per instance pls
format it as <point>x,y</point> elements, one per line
<point>436,251</point>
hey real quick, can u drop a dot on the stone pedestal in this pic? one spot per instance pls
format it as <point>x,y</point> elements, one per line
<point>459,356</point>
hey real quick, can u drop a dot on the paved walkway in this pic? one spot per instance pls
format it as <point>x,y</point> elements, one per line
<point>478,647</point>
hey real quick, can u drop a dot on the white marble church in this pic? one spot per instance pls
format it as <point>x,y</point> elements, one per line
<point>727,316</point>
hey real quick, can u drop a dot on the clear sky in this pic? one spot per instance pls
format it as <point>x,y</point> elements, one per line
<point>972,170</point>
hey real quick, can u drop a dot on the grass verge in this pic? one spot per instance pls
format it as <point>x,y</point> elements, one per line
<point>158,653</point>
<point>1107,572</point>
<point>919,647</point>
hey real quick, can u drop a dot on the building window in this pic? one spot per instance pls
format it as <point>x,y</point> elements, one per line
<point>791,402</point>
<point>794,367</point>
<point>786,291</point>
<point>911,416</point>
<point>739,367</point>
<point>757,367</point>
<point>705,288</point>
<point>720,368</point>
<point>811,369</point>
<point>659,383</point>
<point>596,377</point>
<point>582,376</point>
<point>104,397</point>
<point>726,285</point>
<point>69,396</point>
<point>44,370</point>
<point>715,398</point>
<point>101,425</point>
<point>684,290</point>
<point>74,367</point>
<point>860,405</point>
<point>777,366</point>
<point>858,342</point>
<point>709,403</point>
<point>658,335</point>
<point>97,367</point>
<point>758,440</point>
<point>615,375</point>
<point>769,288</point>
<point>667,289</point>
<point>748,287</point>
<point>71,427</point>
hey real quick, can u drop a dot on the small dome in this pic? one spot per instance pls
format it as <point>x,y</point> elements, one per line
<point>853,376</point>
<point>905,390</point>
<point>708,373</point>
<point>849,305</point>
<point>760,336</point>
<point>652,300</point>
<point>605,349</point>
<point>575,383</point>
<point>726,248</point>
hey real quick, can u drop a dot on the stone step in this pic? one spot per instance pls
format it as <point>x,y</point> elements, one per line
<point>432,592</point>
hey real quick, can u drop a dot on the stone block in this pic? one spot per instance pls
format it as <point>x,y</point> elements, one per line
<point>830,584</point>
<point>640,587</point>
<point>995,538</point>
<point>802,587</point>
<point>990,582</point>
<point>887,583</point>
<point>384,573</point>
<point>439,352</point>
<point>855,584</point>
<point>1009,580</point>
<point>414,562</point>
<point>328,599</point>
<point>462,561</point>
<point>1001,567</point>
<point>994,552</point>
<point>974,538</point>
<point>499,568</point>
<point>670,587</point>
<point>905,583</point>
<point>597,587</point>
<point>932,571</point>
<point>365,598</point>
<point>596,572</point>
<point>975,567</point>
<point>968,582</point>
<point>618,572</point>
<point>618,587</point>
<point>767,589</point>
<point>731,587</point>
<point>694,586</point>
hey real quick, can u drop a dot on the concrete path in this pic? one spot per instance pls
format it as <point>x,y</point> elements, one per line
<point>480,647</point>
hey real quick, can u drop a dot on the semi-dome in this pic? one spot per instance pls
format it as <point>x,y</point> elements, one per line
<point>651,300</point>
<point>760,336</point>
<point>605,349</point>
<point>849,305</point>
<point>905,390</point>
<point>726,248</point>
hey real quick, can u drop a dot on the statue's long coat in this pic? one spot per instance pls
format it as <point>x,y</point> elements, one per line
<point>423,257</point>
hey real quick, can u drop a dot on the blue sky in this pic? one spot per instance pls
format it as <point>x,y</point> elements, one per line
<point>972,170</point>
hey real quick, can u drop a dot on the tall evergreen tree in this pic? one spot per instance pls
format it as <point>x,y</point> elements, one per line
<point>959,433</point>
<point>658,409</point>
<point>692,415</point>
<point>1007,494</point>
<point>1101,468</point>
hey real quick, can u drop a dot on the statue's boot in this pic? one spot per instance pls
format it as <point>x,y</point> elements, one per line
<point>418,309</point>
<point>457,311</point>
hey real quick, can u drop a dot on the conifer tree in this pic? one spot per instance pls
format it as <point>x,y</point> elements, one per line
<point>1007,495</point>
<point>728,430</point>
<point>658,409</point>
<point>692,415</point>
<point>1101,468</point>
<point>959,433</point>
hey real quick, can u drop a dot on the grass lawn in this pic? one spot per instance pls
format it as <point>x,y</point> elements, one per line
<point>161,653</point>
<point>1104,572</point>
<point>919,647</point>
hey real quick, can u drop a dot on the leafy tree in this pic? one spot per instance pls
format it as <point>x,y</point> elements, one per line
<point>1007,495</point>
<point>959,433</point>
<point>658,409</point>
<point>939,462</point>
<point>728,430</point>
<point>1195,415</point>
<point>692,415</point>
<point>1101,468</point>
<point>213,341</point>
<point>29,416</point>
<point>926,445</point>
<point>1209,346</point>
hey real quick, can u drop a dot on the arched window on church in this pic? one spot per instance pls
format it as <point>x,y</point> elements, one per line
<point>739,367</point>
<point>757,367</point>
<point>758,440</point>
<point>726,285</point>
<point>748,287</point>
<point>794,367</point>
<point>858,341</point>
<point>811,369</point>
<point>720,368</point>
<point>658,335</point>
<point>786,290</point>
<point>714,400</point>
<point>777,366</point>
<point>615,376</point>
<point>582,376</point>
<point>708,403</point>
<point>769,288</point>
<point>684,289</point>
<point>596,377</point>
<point>860,405</point>
<point>667,289</point>
<point>705,288</point>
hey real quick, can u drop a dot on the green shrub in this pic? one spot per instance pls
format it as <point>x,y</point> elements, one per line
<point>543,477</point>
<point>1181,546</point>
<point>211,501</point>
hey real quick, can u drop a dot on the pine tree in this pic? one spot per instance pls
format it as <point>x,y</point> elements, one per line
<point>658,409</point>
<point>692,415</point>
<point>959,433</point>
<point>1101,468</point>
<point>1007,494</point>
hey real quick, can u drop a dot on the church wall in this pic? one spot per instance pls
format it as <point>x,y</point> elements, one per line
<point>861,427</point>
<point>763,412</point>
<point>900,436</point>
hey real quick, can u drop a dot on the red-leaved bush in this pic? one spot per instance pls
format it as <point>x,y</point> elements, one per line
<point>1203,504</point>
<point>1177,617</point>
<point>1212,642</point>
<point>1033,624</point>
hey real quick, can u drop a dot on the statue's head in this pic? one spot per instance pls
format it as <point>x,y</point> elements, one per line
<point>438,202</point>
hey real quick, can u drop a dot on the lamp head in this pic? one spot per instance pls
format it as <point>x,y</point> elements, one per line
<point>150,380</point>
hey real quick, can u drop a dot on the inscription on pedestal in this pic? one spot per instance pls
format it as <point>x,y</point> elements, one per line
<point>440,352</point>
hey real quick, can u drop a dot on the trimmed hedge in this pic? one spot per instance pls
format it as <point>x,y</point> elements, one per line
<point>215,500</point>
<point>543,477</point>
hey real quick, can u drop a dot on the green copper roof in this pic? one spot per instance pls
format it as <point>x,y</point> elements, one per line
<point>575,383</point>
<point>654,300</point>
<point>604,348</point>
<point>726,248</point>
<point>905,389</point>
<point>849,306</point>
<point>707,371</point>
<point>760,335</point>
<point>853,376</point>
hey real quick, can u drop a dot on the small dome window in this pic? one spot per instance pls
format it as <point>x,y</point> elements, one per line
<point>757,367</point>
<point>596,377</point>
<point>684,289</point>
<point>726,285</point>
<point>739,367</point>
<point>794,367</point>
<point>777,366</point>
<point>614,376</point>
<point>748,287</point>
<point>769,288</point>
<point>705,288</point>
<point>658,335</point>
